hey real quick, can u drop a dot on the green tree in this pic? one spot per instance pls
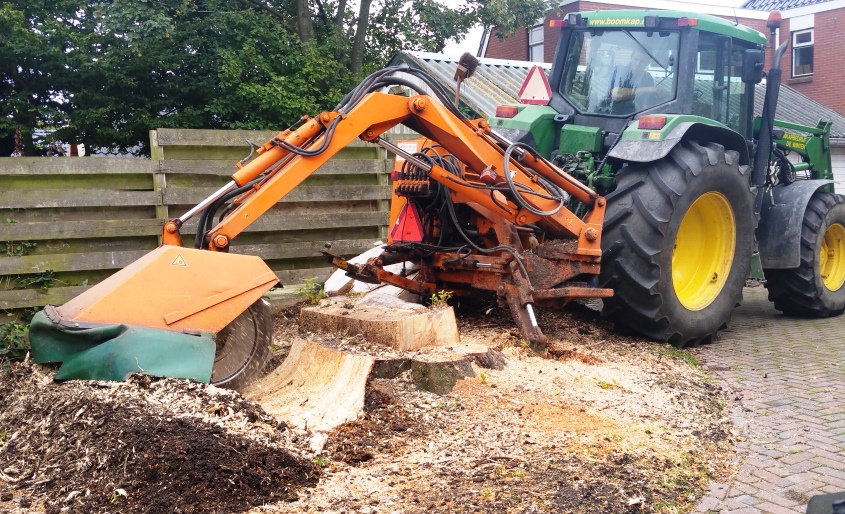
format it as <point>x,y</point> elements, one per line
<point>105,72</point>
<point>36,42</point>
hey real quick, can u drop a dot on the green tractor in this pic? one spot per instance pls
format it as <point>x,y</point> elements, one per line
<point>654,110</point>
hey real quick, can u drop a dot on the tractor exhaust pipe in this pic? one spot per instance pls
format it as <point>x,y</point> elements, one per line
<point>764,144</point>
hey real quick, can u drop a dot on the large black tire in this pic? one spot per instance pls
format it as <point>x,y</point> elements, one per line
<point>815,289</point>
<point>243,347</point>
<point>641,232</point>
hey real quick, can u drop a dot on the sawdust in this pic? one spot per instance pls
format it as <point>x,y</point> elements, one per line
<point>599,423</point>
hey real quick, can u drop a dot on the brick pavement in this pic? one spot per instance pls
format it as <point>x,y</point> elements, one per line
<point>788,376</point>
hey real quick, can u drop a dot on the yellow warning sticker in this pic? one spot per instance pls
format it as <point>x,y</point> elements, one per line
<point>179,261</point>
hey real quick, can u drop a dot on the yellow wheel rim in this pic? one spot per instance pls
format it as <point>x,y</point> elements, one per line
<point>704,251</point>
<point>832,257</point>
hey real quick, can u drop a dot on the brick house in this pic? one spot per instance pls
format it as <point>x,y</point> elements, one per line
<point>814,28</point>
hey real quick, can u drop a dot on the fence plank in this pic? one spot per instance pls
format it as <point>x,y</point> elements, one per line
<point>199,137</point>
<point>304,249</point>
<point>31,166</point>
<point>273,223</point>
<point>298,276</point>
<point>24,298</point>
<point>59,198</point>
<point>79,229</point>
<point>68,262</point>
<point>192,196</point>
<point>225,169</point>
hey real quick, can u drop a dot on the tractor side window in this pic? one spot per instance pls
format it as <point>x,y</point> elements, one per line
<point>739,111</point>
<point>719,92</point>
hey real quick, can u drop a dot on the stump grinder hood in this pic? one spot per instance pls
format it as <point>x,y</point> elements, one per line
<point>490,215</point>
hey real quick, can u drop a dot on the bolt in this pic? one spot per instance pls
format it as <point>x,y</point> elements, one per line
<point>221,241</point>
<point>171,228</point>
<point>522,219</point>
<point>591,234</point>
<point>325,117</point>
<point>600,202</point>
<point>419,104</point>
<point>715,277</point>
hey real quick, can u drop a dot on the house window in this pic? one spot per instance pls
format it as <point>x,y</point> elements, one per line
<point>802,53</point>
<point>535,43</point>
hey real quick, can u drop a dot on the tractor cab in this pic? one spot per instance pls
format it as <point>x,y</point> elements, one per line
<point>612,66</point>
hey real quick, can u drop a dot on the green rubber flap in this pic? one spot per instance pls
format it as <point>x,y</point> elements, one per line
<point>52,342</point>
<point>113,352</point>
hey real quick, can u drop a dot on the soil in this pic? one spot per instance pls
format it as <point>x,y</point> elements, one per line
<point>598,423</point>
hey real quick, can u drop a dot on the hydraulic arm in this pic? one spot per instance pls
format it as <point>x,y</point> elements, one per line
<point>288,159</point>
<point>502,224</point>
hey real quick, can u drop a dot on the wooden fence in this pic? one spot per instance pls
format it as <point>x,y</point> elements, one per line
<point>67,223</point>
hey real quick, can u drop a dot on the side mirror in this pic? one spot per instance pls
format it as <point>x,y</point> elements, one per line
<point>752,66</point>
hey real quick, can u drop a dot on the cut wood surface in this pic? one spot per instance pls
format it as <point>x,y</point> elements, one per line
<point>395,323</point>
<point>316,387</point>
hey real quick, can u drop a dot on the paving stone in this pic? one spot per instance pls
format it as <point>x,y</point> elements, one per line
<point>795,458</point>
<point>771,508</point>
<point>744,510</point>
<point>708,504</point>
<point>717,490</point>
<point>748,499</point>
<point>777,499</point>
<point>790,389</point>
<point>838,472</point>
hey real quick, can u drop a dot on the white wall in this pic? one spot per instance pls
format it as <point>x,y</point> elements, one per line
<point>837,157</point>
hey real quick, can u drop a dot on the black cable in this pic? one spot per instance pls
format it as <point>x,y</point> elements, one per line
<point>505,248</point>
<point>517,195</point>
<point>206,219</point>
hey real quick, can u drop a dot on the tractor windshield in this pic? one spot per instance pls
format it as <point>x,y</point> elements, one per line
<point>620,72</point>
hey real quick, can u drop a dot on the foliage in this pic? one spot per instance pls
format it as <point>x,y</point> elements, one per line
<point>508,15</point>
<point>105,72</point>
<point>19,248</point>
<point>44,281</point>
<point>14,342</point>
<point>440,299</point>
<point>312,291</point>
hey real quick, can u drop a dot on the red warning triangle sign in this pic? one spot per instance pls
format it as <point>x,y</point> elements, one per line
<point>535,90</point>
<point>408,227</point>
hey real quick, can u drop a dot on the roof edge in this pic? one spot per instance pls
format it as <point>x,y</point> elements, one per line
<point>669,5</point>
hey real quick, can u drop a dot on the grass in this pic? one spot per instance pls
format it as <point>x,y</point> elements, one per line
<point>609,385</point>
<point>312,291</point>
<point>440,299</point>
<point>681,355</point>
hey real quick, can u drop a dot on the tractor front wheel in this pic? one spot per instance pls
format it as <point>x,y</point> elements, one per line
<point>677,243</point>
<point>815,288</point>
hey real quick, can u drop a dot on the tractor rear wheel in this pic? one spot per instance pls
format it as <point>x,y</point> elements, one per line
<point>815,289</point>
<point>243,347</point>
<point>677,243</point>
